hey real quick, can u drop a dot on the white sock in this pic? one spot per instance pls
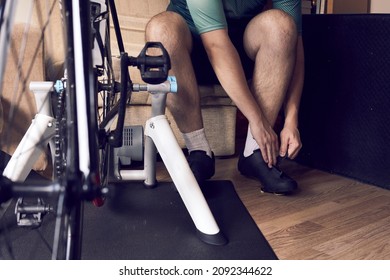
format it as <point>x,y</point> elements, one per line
<point>250,144</point>
<point>196,140</point>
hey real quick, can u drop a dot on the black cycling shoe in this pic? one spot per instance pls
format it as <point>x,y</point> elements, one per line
<point>202,166</point>
<point>272,179</point>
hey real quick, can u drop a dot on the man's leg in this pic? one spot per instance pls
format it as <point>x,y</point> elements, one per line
<point>270,41</point>
<point>171,30</point>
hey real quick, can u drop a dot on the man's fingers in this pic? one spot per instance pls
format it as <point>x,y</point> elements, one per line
<point>268,155</point>
<point>269,148</point>
<point>264,153</point>
<point>283,147</point>
<point>293,150</point>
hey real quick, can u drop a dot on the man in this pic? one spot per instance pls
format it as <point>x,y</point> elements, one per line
<point>241,42</point>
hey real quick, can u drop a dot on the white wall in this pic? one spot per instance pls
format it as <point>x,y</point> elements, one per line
<point>380,6</point>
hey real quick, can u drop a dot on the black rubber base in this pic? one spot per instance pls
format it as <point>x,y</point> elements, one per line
<point>215,239</point>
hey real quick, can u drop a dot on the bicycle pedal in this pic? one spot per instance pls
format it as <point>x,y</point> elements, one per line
<point>31,214</point>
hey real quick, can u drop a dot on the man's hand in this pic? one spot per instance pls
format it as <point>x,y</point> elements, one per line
<point>290,142</point>
<point>267,140</point>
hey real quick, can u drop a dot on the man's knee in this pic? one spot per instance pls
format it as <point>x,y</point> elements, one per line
<point>274,27</point>
<point>168,28</point>
<point>277,23</point>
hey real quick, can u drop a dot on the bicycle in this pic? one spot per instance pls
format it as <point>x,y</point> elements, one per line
<point>80,135</point>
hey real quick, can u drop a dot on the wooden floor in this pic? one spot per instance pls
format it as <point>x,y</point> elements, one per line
<point>331,217</point>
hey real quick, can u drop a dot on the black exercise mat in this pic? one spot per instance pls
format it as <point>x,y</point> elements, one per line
<point>144,224</point>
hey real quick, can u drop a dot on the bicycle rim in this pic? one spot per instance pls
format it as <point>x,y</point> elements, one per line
<point>107,79</point>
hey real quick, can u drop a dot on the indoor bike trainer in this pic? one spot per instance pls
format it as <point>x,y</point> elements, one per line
<point>157,133</point>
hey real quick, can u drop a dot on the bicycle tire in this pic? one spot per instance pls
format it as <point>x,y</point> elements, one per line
<point>108,86</point>
<point>68,233</point>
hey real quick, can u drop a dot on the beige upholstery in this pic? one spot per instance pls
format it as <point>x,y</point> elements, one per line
<point>54,54</point>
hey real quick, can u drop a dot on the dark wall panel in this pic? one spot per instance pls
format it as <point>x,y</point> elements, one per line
<point>345,109</point>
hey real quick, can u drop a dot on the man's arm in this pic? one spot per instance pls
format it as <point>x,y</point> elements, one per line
<point>228,68</point>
